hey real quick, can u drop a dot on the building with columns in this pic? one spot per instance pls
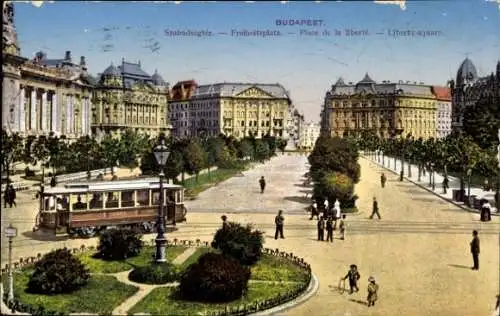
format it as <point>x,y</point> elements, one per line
<point>443,113</point>
<point>178,105</point>
<point>384,108</point>
<point>468,89</point>
<point>128,97</point>
<point>237,109</point>
<point>41,95</point>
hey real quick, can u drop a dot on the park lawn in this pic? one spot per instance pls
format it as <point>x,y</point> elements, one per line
<point>271,268</point>
<point>208,179</point>
<point>96,265</point>
<point>101,295</point>
<point>161,301</point>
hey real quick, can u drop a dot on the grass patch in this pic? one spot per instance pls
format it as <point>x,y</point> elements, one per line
<point>96,265</point>
<point>161,301</point>
<point>194,257</point>
<point>271,268</point>
<point>208,179</point>
<point>101,295</point>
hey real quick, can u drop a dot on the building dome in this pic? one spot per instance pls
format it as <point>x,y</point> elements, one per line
<point>466,72</point>
<point>157,79</point>
<point>112,71</point>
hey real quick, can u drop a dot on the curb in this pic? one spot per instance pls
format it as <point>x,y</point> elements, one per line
<point>277,310</point>
<point>457,204</point>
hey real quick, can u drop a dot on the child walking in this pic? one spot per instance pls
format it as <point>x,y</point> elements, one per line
<point>342,226</point>
<point>372,291</point>
<point>353,276</point>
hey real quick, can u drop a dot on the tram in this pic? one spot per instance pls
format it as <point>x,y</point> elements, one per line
<point>85,208</point>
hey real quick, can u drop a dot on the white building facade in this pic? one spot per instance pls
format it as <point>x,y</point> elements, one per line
<point>309,133</point>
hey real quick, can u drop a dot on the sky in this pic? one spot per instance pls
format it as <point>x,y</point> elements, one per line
<point>304,62</point>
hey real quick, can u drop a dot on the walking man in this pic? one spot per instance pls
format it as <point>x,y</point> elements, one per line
<point>12,195</point>
<point>262,183</point>
<point>474,249</point>
<point>342,226</point>
<point>279,220</point>
<point>321,229</point>
<point>445,184</point>
<point>6,197</point>
<point>383,179</point>
<point>329,229</point>
<point>353,276</point>
<point>372,291</point>
<point>314,211</point>
<point>375,209</point>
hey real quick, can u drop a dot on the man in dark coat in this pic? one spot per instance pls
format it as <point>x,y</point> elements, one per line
<point>224,221</point>
<point>279,220</point>
<point>353,276</point>
<point>383,179</point>
<point>321,229</point>
<point>12,195</point>
<point>375,209</point>
<point>474,249</point>
<point>329,229</point>
<point>262,183</point>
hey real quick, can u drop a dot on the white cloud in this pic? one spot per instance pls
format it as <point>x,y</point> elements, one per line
<point>401,3</point>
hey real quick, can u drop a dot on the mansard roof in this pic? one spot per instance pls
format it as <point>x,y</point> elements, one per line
<point>232,89</point>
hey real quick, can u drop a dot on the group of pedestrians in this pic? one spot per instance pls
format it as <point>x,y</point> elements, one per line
<point>354,276</point>
<point>9,196</point>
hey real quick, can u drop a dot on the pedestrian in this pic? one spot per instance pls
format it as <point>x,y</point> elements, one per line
<point>329,229</point>
<point>224,221</point>
<point>53,182</point>
<point>353,276</point>
<point>372,291</point>
<point>486,211</point>
<point>279,220</point>
<point>375,209</point>
<point>12,195</point>
<point>262,183</point>
<point>383,179</point>
<point>486,185</point>
<point>6,196</point>
<point>445,184</point>
<point>321,229</point>
<point>342,227</point>
<point>326,206</point>
<point>474,249</point>
<point>314,211</point>
<point>337,214</point>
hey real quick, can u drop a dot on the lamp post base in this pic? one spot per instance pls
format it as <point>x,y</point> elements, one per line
<point>161,243</point>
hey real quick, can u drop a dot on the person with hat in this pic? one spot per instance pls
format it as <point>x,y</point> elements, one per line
<point>262,183</point>
<point>375,209</point>
<point>474,249</point>
<point>321,229</point>
<point>383,180</point>
<point>224,221</point>
<point>353,276</point>
<point>329,229</point>
<point>372,291</point>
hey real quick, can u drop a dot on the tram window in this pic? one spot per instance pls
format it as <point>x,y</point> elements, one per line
<point>171,197</point>
<point>96,201</point>
<point>50,203</point>
<point>127,198</point>
<point>81,203</point>
<point>62,203</point>
<point>112,200</point>
<point>143,197</point>
<point>156,197</point>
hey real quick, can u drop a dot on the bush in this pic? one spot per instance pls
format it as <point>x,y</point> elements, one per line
<point>157,273</point>
<point>239,242</point>
<point>214,278</point>
<point>58,272</point>
<point>119,244</point>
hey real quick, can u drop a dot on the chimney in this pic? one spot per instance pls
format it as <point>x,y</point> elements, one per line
<point>67,57</point>
<point>82,61</point>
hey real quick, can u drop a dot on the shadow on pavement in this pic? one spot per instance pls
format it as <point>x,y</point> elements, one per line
<point>43,235</point>
<point>358,301</point>
<point>298,199</point>
<point>459,266</point>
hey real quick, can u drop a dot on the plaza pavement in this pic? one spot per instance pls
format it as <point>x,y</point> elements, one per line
<point>418,253</point>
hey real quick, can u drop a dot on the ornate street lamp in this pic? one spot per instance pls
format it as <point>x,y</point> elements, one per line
<point>161,154</point>
<point>433,165</point>
<point>10,233</point>
<point>469,174</point>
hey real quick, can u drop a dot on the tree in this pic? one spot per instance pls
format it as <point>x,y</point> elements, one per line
<point>262,151</point>
<point>481,120</point>
<point>245,148</point>
<point>282,144</point>
<point>271,142</point>
<point>28,156</point>
<point>194,158</point>
<point>334,185</point>
<point>41,152</point>
<point>111,149</point>
<point>175,165</point>
<point>11,150</point>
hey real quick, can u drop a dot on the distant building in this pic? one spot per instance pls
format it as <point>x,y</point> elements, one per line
<point>468,89</point>
<point>443,113</point>
<point>386,109</point>
<point>127,97</point>
<point>179,112</point>
<point>308,136</point>
<point>295,121</point>
<point>237,109</point>
<point>41,95</point>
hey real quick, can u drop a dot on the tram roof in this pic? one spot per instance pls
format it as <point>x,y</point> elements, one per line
<point>105,186</point>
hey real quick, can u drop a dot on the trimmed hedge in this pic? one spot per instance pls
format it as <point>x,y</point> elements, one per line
<point>119,244</point>
<point>156,273</point>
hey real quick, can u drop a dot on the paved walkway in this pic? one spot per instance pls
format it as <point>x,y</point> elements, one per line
<point>418,252</point>
<point>394,165</point>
